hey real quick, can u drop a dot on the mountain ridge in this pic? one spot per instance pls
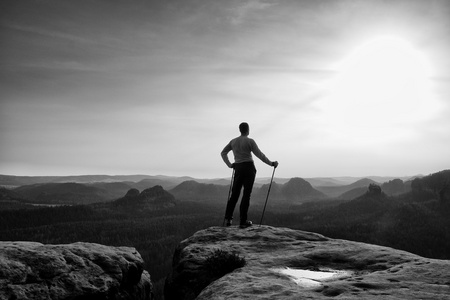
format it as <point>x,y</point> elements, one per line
<point>13,180</point>
<point>151,198</point>
<point>187,188</point>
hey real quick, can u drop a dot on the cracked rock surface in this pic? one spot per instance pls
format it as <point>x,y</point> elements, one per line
<point>375,272</point>
<point>30,270</point>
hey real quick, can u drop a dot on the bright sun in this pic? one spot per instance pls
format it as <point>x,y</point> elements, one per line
<point>381,86</point>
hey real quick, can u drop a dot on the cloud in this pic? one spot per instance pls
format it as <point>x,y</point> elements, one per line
<point>47,33</point>
<point>242,11</point>
<point>160,86</point>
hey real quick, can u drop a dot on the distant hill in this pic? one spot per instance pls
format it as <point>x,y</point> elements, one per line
<point>194,191</point>
<point>151,182</point>
<point>7,195</point>
<point>113,190</point>
<point>299,190</point>
<point>171,181</point>
<point>437,185</point>
<point>11,200</point>
<point>276,195</point>
<point>315,182</point>
<point>149,199</point>
<point>354,193</point>
<point>294,191</point>
<point>368,203</point>
<point>9,180</point>
<point>390,188</point>
<point>266,180</point>
<point>84,189</point>
<point>62,193</point>
<point>346,180</point>
<point>15,181</point>
<point>396,187</point>
<point>336,191</point>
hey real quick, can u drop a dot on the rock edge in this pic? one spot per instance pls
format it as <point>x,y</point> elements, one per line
<point>377,272</point>
<point>30,270</point>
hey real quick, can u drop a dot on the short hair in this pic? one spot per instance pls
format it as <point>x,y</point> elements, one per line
<point>243,127</point>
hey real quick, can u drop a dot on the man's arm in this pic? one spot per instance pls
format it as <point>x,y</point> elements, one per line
<point>224,155</point>
<point>259,154</point>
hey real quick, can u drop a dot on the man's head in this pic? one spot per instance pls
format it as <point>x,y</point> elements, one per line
<point>244,128</point>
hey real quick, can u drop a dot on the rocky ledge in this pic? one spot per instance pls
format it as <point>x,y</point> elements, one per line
<point>280,263</point>
<point>30,270</point>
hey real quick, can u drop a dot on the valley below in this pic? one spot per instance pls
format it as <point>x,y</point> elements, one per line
<point>154,214</point>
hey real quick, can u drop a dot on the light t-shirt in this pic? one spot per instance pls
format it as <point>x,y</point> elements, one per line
<point>242,147</point>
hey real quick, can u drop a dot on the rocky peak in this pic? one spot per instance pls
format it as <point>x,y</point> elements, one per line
<point>362,183</point>
<point>148,198</point>
<point>156,194</point>
<point>187,185</point>
<point>132,193</point>
<point>394,187</point>
<point>297,184</point>
<point>298,189</point>
<point>374,189</point>
<point>281,263</point>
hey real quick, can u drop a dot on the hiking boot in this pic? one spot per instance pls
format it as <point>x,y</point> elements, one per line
<point>246,224</point>
<point>228,224</point>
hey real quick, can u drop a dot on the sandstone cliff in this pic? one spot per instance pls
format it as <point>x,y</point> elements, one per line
<point>282,263</point>
<point>30,270</point>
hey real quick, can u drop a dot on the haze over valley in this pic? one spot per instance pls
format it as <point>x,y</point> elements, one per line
<point>85,189</point>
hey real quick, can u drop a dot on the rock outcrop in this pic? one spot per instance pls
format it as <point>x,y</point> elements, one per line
<point>374,189</point>
<point>149,199</point>
<point>30,270</point>
<point>282,263</point>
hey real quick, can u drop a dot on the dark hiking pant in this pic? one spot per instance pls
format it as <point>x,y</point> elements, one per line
<point>244,176</point>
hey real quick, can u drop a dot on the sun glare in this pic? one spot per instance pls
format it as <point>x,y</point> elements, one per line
<point>382,85</point>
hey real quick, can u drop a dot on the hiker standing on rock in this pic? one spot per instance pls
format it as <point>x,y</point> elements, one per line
<point>245,172</point>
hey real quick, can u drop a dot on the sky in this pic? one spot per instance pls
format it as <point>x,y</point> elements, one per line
<point>329,88</point>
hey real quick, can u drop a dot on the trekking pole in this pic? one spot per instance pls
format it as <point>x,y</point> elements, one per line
<point>270,185</point>
<point>229,193</point>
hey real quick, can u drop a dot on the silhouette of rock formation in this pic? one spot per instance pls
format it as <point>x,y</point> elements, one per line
<point>374,189</point>
<point>155,197</point>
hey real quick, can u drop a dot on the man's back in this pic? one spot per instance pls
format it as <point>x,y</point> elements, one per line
<point>242,148</point>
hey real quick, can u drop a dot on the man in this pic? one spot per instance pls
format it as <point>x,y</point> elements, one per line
<point>245,172</point>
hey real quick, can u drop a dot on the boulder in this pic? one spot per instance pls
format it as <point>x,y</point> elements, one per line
<point>30,270</point>
<point>282,263</point>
